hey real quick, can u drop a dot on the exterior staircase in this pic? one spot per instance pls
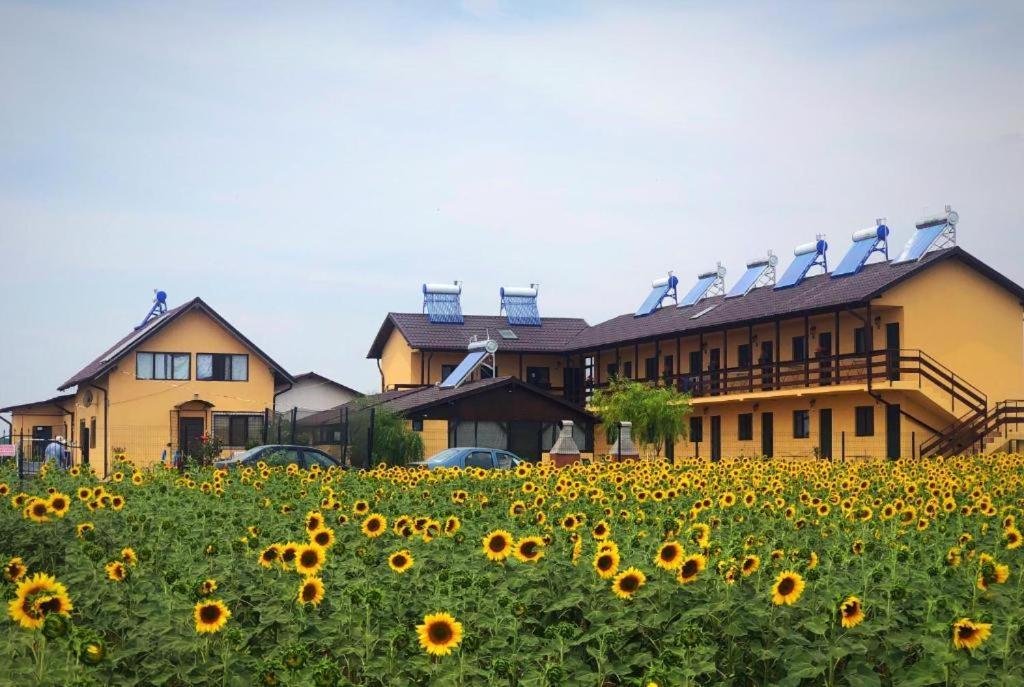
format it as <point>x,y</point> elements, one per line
<point>985,431</point>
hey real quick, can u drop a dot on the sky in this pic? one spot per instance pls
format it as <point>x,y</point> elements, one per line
<point>305,167</point>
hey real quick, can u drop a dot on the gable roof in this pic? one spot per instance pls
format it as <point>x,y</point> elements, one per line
<point>316,377</point>
<point>110,357</point>
<point>820,293</point>
<point>56,400</point>
<point>408,401</point>
<point>552,336</point>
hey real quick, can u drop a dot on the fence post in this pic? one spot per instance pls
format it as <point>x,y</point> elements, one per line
<point>266,425</point>
<point>277,419</point>
<point>913,445</point>
<point>295,415</point>
<point>369,438</point>
<point>341,435</point>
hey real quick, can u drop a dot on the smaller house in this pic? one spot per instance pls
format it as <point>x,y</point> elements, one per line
<point>311,392</point>
<point>42,421</point>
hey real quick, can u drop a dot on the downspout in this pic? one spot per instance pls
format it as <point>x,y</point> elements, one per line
<point>106,426</point>
<point>278,393</point>
<point>430,359</point>
<point>381,370</point>
<point>71,428</point>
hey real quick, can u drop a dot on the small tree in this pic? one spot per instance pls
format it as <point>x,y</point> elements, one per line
<point>658,413</point>
<point>396,443</point>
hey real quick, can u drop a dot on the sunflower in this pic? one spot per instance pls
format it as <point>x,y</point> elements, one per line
<point>84,529</point>
<point>270,555</point>
<point>498,545</point>
<point>439,634</point>
<point>311,591</point>
<point>360,507</point>
<point>309,558</point>
<point>59,504</point>
<point>750,565</point>
<point>116,571</point>
<point>314,520</point>
<point>210,616</point>
<point>968,634</point>
<point>400,561</point>
<point>606,563</point>
<point>451,525</point>
<point>15,569</point>
<point>209,586</point>
<point>288,553</point>
<point>851,612</point>
<point>117,502</point>
<point>37,510</point>
<point>1013,537</point>
<point>375,525</point>
<point>628,582</point>
<point>669,555</point>
<point>787,588</point>
<point>323,537</point>
<point>529,549</point>
<point>991,573</point>
<point>601,530</point>
<point>129,556</point>
<point>36,596</point>
<point>690,568</point>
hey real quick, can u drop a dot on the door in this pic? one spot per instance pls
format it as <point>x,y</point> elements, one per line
<point>825,433</point>
<point>696,362</point>
<point>767,434</point>
<point>714,364</point>
<point>190,429</point>
<point>825,358</point>
<point>716,437</point>
<point>41,436</point>
<point>85,439</point>
<point>767,361</point>
<point>524,440</point>
<point>572,381</point>
<point>892,431</point>
<point>892,350</point>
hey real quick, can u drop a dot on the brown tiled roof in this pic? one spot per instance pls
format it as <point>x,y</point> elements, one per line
<point>819,293</point>
<point>63,398</point>
<point>108,358</point>
<point>552,336</point>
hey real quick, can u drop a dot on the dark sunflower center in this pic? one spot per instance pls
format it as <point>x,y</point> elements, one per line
<point>965,632</point>
<point>58,504</point>
<point>786,586</point>
<point>270,554</point>
<point>309,592</point>
<point>528,549</point>
<point>309,558</point>
<point>604,562</point>
<point>39,508</point>
<point>322,538</point>
<point>53,605</point>
<point>313,523</point>
<point>209,614</point>
<point>439,632</point>
<point>748,564</point>
<point>288,555</point>
<point>399,561</point>
<point>850,609</point>
<point>689,568</point>
<point>497,544</point>
<point>629,583</point>
<point>669,554</point>
<point>373,525</point>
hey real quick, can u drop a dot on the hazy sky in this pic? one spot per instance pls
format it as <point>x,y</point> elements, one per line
<point>304,167</point>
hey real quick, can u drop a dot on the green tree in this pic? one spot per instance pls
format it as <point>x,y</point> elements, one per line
<point>395,443</point>
<point>658,413</point>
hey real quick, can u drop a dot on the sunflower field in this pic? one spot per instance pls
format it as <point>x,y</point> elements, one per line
<point>741,572</point>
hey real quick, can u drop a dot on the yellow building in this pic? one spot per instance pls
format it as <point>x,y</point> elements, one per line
<point>152,394</point>
<point>921,354</point>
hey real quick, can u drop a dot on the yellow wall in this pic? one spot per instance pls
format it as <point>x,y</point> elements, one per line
<point>142,415</point>
<point>397,362</point>
<point>40,415</point>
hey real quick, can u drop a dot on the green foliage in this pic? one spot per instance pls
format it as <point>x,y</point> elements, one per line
<point>658,413</point>
<point>394,440</point>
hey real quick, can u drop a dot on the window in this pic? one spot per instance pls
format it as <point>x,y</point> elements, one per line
<point>799,349</point>
<point>417,425</point>
<point>539,376</point>
<point>507,334</point>
<point>744,355</point>
<point>222,367</point>
<point>314,457</point>
<point>447,370</point>
<point>627,369</point>
<point>613,371</point>
<point>163,366</point>
<point>864,421</point>
<point>238,430</point>
<point>669,366</point>
<point>696,429</point>
<point>504,459</point>
<point>479,459</point>
<point>860,340</point>
<point>281,458</point>
<point>746,426</point>
<point>801,424</point>
<point>651,368</point>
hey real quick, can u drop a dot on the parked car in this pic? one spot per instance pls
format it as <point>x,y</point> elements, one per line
<point>472,457</point>
<point>281,454</point>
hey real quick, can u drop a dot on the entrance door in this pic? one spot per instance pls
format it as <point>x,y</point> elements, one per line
<point>767,434</point>
<point>825,357</point>
<point>41,436</point>
<point>892,431</point>
<point>714,364</point>
<point>825,432</point>
<point>716,437</point>
<point>696,367</point>
<point>767,365</point>
<point>84,439</point>
<point>892,350</point>
<point>190,429</point>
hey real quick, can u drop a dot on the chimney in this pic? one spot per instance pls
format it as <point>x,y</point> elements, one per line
<point>624,448</point>
<point>565,450</point>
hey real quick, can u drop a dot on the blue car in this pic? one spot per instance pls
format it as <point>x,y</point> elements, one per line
<point>472,457</point>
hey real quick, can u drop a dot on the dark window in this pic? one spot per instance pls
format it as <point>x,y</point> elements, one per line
<point>92,433</point>
<point>627,369</point>
<point>669,366</point>
<point>651,368</point>
<point>163,366</point>
<point>801,424</point>
<point>539,376</point>
<point>745,425</point>
<point>613,371</point>
<point>865,421</point>
<point>238,431</point>
<point>799,348</point>
<point>417,425</point>
<point>447,370</point>
<point>314,457</point>
<point>860,340</point>
<point>743,353</point>
<point>222,367</point>
<point>281,457</point>
<point>696,429</point>
<point>479,459</point>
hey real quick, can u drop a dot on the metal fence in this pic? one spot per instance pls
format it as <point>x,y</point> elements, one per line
<point>29,453</point>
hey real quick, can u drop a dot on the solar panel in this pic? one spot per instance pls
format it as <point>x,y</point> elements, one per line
<point>805,257</point>
<point>463,370</point>
<point>865,242</point>
<point>660,289</point>
<point>441,301</point>
<point>703,312</point>
<point>507,334</point>
<point>704,282</point>
<point>759,272</point>
<point>920,242</point>
<point>520,306</point>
